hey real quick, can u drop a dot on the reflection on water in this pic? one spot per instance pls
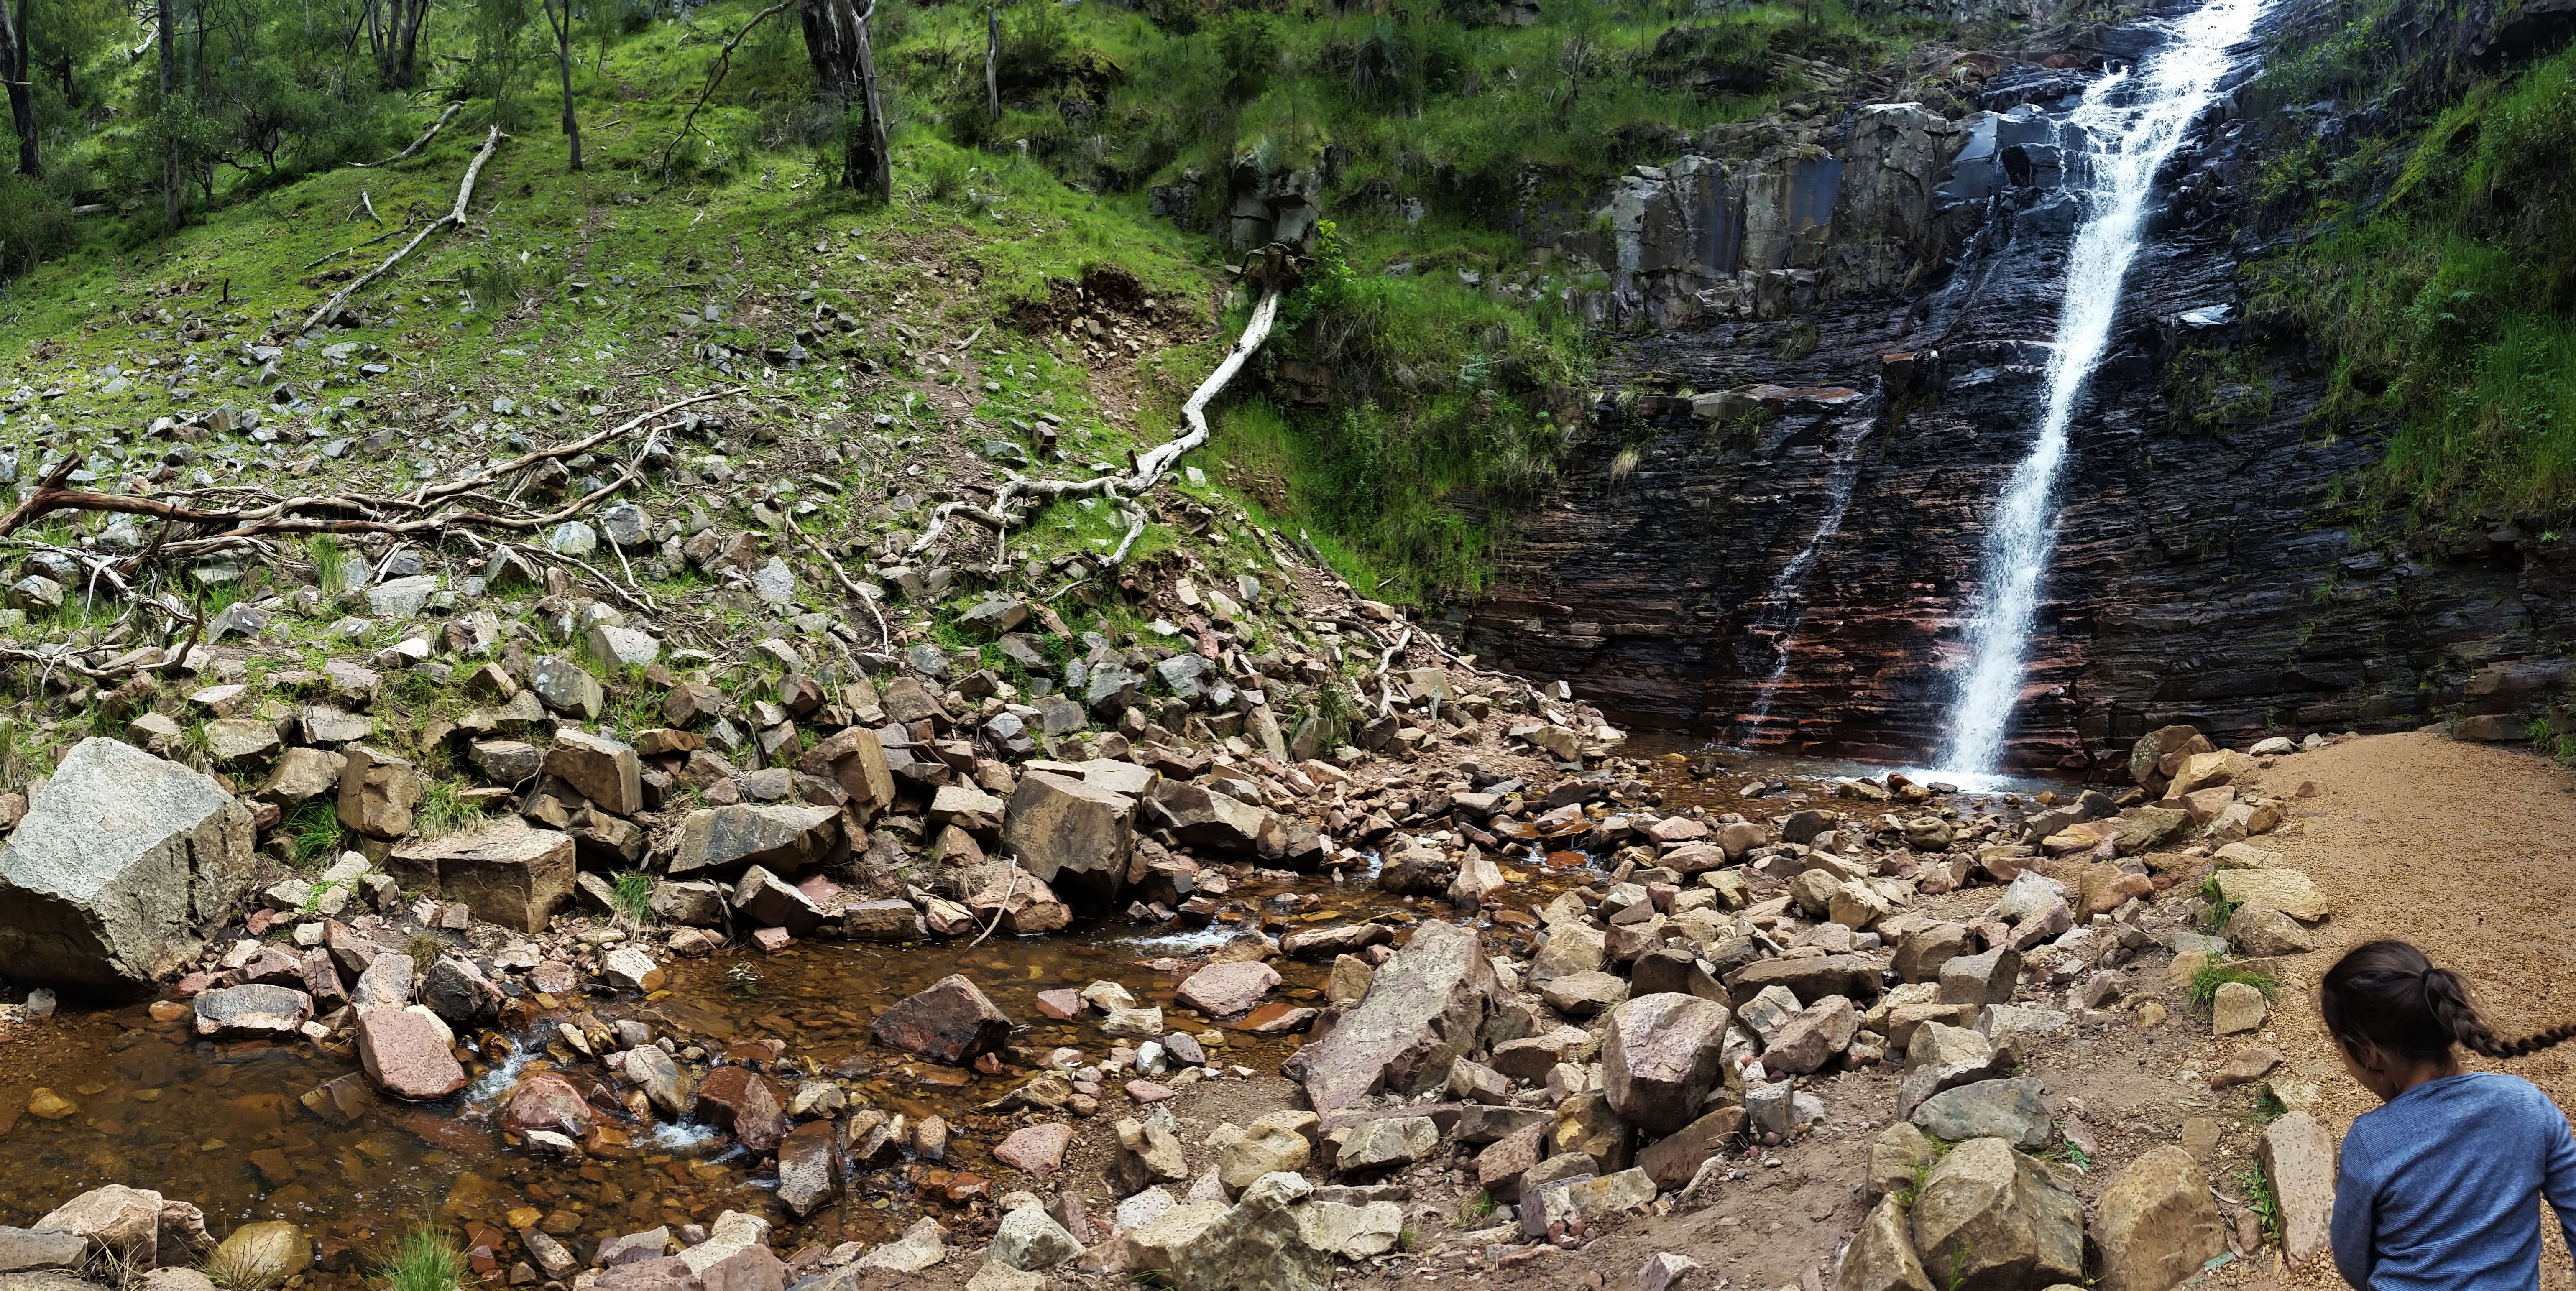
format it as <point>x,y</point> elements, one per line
<point>1745,767</point>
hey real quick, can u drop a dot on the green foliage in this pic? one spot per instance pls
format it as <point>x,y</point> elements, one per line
<point>2217,973</point>
<point>313,832</point>
<point>634,890</point>
<point>445,810</point>
<point>494,285</point>
<point>2260,1198</point>
<point>425,1260</point>
<point>35,224</point>
<point>2219,909</point>
<point>330,563</point>
<point>2450,308</point>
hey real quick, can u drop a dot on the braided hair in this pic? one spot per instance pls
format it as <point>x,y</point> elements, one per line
<point>2387,996</point>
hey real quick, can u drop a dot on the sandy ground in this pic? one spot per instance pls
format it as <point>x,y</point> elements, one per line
<point>2467,850</point>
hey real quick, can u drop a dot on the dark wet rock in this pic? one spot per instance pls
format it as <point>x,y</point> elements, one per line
<point>252,1013</point>
<point>950,1022</point>
<point>747,1103</point>
<point>458,992</point>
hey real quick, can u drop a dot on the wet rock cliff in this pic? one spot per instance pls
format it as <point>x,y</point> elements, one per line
<point>1826,355</point>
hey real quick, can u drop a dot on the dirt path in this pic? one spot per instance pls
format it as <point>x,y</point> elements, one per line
<point>2467,850</point>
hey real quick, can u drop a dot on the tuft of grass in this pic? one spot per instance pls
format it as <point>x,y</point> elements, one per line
<point>236,1272</point>
<point>635,898</point>
<point>444,810</point>
<point>1476,1207</point>
<point>313,832</point>
<point>330,563</point>
<point>2260,1199</point>
<point>2068,1155</point>
<point>425,1260</point>
<point>2219,910</point>
<point>2218,973</point>
<point>424,950</point>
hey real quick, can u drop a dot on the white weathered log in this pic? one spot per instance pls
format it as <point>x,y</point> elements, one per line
<point>454,218</point>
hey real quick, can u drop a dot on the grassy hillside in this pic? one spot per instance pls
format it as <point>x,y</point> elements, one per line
<point>1438,141</point>
<point>2435,262</point>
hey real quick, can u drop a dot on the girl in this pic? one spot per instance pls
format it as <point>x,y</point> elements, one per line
<point>2438,1189</point>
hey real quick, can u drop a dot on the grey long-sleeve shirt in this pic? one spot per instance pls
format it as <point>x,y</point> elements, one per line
<point>2441,1187</point>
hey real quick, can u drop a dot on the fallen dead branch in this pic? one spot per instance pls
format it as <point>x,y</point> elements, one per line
<point>416,144</point>
<point>455,218</point>
<point>372,513</point>
<point>724,64</point>
<point>853,589</point>
<point>1149,468</point>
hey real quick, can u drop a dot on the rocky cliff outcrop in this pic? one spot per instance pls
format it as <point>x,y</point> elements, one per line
<point>1829,350</point>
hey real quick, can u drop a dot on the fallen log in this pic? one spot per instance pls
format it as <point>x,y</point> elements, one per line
<point>416,144</point>
<point>455,218</point>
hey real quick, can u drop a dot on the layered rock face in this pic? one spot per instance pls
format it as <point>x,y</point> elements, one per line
<point>1829,355</point>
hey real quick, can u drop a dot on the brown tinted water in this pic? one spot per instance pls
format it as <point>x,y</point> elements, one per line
<point>225,1125</point>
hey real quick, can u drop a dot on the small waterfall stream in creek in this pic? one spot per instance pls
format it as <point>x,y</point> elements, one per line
<point>2133,122</point>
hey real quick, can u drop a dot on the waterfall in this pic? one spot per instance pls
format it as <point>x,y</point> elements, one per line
<point>2131,123</point>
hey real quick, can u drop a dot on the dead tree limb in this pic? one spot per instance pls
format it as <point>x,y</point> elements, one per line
<point>724,64</point>
<point>281,516</point>
<point>883,637</point>
<point>1150,467</point>
<point>416,144</point>
<point>453,219</point>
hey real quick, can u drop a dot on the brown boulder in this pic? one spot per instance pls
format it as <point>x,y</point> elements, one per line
<point>506,872</point>
<point>748,1104</point>
<point>950,1022</point>
<point>1430,1004</point>
<point>1661,1058</point>
<point>406,1052</point>
<point>545,1100</point>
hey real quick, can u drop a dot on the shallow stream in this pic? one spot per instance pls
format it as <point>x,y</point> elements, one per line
<point>226,1126</point>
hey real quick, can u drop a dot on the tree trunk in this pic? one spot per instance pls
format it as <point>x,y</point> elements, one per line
<point>992,63</point>
<point>407,19</point>
<point>563,60</point>
<point>880,152</point>
<point>836,40</point>
<point>22,92</point>
<point>172,192</point>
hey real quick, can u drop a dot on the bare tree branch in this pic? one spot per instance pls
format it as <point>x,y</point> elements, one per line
<point>454,218</point>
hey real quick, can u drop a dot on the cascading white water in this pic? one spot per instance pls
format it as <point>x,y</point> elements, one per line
<point>2132,121</point>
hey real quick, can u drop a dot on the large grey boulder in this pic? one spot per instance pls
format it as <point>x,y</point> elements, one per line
<point>1072,835</point>
<point>1427,1006</point>
<point>122,859</point>
<point>781,838</point>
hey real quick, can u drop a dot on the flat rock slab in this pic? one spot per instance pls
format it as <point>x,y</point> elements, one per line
<point>507,872</point>
<point>2288,891</point>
